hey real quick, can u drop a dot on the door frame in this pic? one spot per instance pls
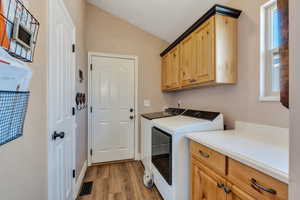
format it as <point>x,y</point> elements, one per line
<point>51,40</point>
<point>136,119</point>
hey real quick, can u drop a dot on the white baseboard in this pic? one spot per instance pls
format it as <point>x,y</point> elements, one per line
<point>137,157</point>
<point>80,178</point>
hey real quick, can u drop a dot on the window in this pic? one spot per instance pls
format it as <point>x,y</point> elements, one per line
<point>270,61</point>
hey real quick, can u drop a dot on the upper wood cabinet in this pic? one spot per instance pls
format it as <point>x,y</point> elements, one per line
<point>170,70</point>
<point>226,49</point>
<point>204,48</point>
<point>206,54</point>
<point>175,68</point>
<point>187,60</point>
<point>166,73</point>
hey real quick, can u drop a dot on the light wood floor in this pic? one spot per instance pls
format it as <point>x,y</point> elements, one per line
<point>119,181</point>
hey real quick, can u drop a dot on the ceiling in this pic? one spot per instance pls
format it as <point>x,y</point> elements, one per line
<point>167,19</point>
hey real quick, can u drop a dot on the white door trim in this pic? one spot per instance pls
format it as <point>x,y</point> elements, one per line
<point>51,28</point>
<point>136,79</point>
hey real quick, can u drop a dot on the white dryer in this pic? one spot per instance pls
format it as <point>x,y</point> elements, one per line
<point>170,150</point>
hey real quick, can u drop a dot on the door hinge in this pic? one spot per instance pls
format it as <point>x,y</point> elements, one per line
<point>91,152</point>
<point>73,48</point>
<point>91,109</point>
<point>74,173</point>
<point>73,111</point>
<point>91,67</point>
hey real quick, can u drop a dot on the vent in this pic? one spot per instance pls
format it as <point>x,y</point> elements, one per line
<point>86,188</point>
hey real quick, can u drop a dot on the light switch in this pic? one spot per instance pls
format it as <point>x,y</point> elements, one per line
<point>147,103</point>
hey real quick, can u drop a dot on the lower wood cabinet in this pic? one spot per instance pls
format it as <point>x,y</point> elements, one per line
<point>236,193</point>
<point>239,182</point>
<point>206,185</point>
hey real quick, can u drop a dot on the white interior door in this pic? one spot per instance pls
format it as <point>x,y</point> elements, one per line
<point>61,101</point>
<point>112,100</point>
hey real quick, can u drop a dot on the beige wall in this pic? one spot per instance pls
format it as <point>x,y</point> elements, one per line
<point>77,9</point>
<point>23,162</point>
<point>108,34</point>
<point>240,102</point>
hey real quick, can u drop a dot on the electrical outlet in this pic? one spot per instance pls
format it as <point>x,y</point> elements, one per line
<point>179,103</point>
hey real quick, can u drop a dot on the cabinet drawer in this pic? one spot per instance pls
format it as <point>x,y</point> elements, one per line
<point>257,184</point>
<point>209,157</point>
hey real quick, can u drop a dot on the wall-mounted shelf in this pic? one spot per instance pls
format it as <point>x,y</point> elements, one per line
<point>18,30</point>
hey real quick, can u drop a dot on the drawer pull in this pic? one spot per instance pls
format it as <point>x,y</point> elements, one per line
<point>258,186</point>
<point>227,190</point>
<point>220,185</point>
<point>192,81</point>
<point>205,155</point>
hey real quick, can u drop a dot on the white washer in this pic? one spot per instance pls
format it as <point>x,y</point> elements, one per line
<point>177,187</point>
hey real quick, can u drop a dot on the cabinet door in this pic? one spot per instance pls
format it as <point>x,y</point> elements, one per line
<point>226,49</point>
<point>204,36</point>
<point>234,193</point>
<point>175,74</point>
<point>187,61</point>
<point>166,73</point>
<point>205,186</point>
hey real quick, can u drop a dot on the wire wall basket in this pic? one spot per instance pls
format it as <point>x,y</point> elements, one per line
<point>18,30</point>
<point>13,108</point>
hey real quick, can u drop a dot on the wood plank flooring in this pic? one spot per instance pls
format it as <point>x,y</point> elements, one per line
<point>119,181</point>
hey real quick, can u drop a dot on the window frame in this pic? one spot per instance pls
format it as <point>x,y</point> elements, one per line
<point>266,53</point>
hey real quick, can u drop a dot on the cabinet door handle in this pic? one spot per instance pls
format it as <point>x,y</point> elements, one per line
<point>205,155</point>
<point>261,187</point>
<point>220,185</point>
<point>227,190</point>
<point>192,81</point>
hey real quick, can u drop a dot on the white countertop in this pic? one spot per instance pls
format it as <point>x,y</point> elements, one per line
<point>252,147</point>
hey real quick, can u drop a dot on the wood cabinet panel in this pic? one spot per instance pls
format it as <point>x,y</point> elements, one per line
<point>187,61</point>
<point>166,77</point>
<point>237,194</point>
<point>204,41</point>
<point>226,49</point>
<point>209,157</point>
<point>175,68</point>
<point>205,185</point>
<point>252,182</point>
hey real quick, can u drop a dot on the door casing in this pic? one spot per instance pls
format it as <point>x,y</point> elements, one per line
<point>51,39</point>
<point>136,123</point>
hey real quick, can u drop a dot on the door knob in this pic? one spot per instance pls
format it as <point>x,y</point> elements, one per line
<point>56,135</point>
<point>131,117</point>
<point>131,110</point>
